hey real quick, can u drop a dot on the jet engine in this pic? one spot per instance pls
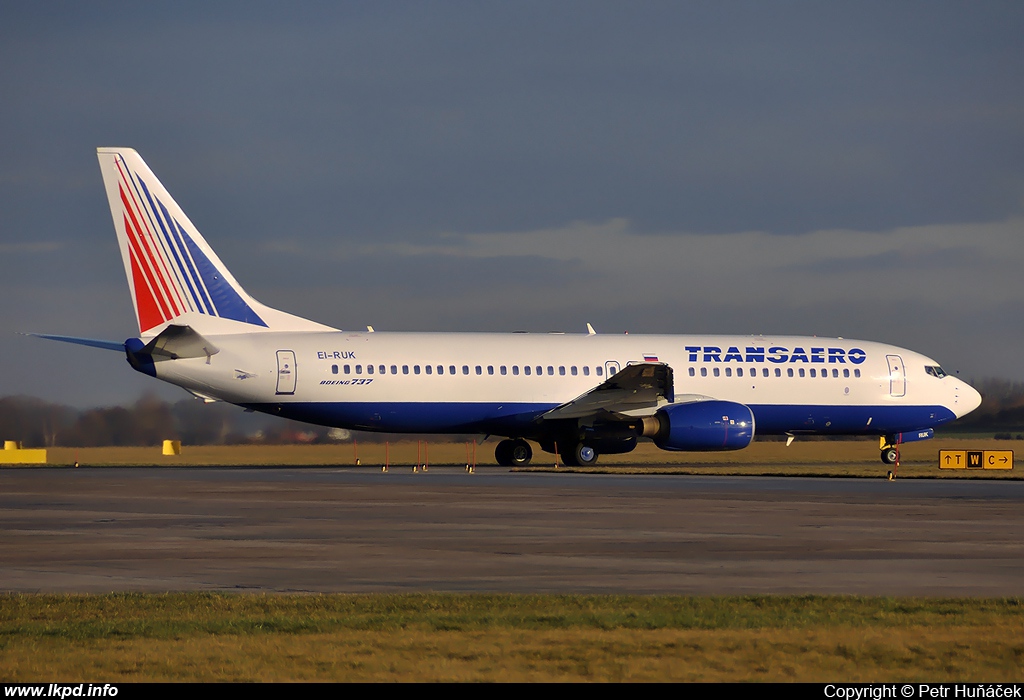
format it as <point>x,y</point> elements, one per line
<point>701,426</point>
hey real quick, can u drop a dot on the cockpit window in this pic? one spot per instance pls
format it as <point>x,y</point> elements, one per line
<point>935,371</point>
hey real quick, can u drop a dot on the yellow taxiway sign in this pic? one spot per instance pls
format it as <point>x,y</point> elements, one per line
<point>975,459</point>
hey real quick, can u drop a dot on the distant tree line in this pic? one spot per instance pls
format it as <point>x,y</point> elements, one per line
<point>1001,411</point>
<point>150,420</point>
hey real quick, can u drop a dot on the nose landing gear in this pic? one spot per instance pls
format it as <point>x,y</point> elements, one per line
<point>890,454</point>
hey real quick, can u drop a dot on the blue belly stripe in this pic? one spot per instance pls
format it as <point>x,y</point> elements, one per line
<point>514,418</point>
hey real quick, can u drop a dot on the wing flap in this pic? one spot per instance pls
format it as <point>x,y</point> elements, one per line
<point>638,386</point>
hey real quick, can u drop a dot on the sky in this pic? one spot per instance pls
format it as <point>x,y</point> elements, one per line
<point>831,169</point>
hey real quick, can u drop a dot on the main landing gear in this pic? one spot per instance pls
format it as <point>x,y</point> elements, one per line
<point>580,455</point>
<point>889,455</point>
<point>513,453</point>
<point>518,453</point>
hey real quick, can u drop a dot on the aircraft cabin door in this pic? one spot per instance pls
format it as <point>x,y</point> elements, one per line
<point>285,371</point>
<point>897,376</point>
<point>611,368</point>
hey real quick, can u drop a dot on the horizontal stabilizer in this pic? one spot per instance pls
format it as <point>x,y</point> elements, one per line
<point>92,343</point>
<point>179,342</point>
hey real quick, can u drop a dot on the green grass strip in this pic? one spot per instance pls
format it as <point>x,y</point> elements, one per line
<point>136,615</point>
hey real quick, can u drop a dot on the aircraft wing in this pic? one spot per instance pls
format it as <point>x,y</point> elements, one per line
<point>634,387</point>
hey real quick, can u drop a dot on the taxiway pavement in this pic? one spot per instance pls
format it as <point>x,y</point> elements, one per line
<point>358,530</point>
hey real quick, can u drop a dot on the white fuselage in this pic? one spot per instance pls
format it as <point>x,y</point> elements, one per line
<point>458,382</point>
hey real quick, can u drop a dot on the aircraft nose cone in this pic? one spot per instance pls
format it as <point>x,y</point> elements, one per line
<point>967,400</point>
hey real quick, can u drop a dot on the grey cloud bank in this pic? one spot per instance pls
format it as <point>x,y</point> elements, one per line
<point>728,167</point>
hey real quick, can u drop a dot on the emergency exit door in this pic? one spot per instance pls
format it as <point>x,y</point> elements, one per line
<point>897,376</point>
<point>285,371</point>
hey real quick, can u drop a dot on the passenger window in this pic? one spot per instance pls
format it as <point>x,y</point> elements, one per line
<point>716,371</point>
<point>348,369</point>
<point>846,373</point>
<point>835,373</point>
<point>334,369</point>
<point>405,369</point>
<point>503,371</point>
<point>692,372</point>
<point>515,370</point>
<point>451,370</point>
<point>802,372</point>
<point>551,371</point>
<point>490,369</point>
<point>765,371</point>
<point>382,369</point>
<point>394,369</point>
<point>369,369</point>
<point>561,371</point>
<point>739,371</point>
<point>778,372</point>
<point>527,370</point>
<point>814,373</point>
<point>586,371</point>
<point>572,370</point>
<point>440,369</point>
<point>479,370</point>
<point>359,369</point>
<point>703,371</point>
<point>728,371</point>
<point>789,372</point>
<point>416,369</point>
<point>540,370</point>
<point>600,370</point>
<point>428,369</point>
<point>856,373</point>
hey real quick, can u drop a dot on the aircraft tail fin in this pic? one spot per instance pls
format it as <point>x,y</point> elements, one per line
<point>173,274</point>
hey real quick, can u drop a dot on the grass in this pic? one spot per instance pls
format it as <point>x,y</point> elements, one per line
<point>854,458</point>
<point>225,637</point>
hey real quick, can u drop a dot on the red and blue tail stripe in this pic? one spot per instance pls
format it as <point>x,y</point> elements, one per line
<point>171,275</point>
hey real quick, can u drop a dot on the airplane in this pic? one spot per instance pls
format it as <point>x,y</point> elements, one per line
<point>577,395</point>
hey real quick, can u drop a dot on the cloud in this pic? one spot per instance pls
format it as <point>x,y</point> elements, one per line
<point>676,167</point>
<point>612,260</point>
<point>30,247</point>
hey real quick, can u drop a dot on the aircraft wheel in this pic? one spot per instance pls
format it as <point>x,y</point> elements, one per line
<point>585,455</point>
<point>889,455</point>
<point>520,453</point>
<point>568,457</point>
<point>503,453</point>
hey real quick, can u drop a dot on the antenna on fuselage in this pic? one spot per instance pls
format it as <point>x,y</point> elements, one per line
<point>590,330</point>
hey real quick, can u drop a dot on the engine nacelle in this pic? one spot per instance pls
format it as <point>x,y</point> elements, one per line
<point>701,426</point>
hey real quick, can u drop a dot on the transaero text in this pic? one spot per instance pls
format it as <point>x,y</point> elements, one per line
<point>777,354</point>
